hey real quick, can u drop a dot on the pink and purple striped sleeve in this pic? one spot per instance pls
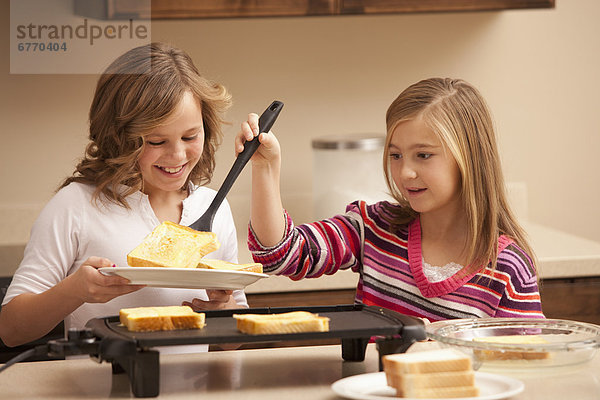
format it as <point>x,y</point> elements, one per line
<point>311,250</point>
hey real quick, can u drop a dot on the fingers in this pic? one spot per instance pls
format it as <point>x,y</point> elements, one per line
<point>108,287</point>
<point>105,280</point>
<point>100,278</point>
<point>201,305</point>
<point>102,294</point>
<point>109,280</point>
<point>266,139</point>
<point>219,295</point>
<point>217,300</point>
<point>249,129</point>
<point>93,286</point>
<point>268,152</point>
<point>98,262</point>
<point>253,123</point>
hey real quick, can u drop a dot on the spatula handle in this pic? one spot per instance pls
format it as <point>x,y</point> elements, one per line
<point>265,122</point>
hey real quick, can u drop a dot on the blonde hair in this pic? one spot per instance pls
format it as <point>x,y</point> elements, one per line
<point>457,113</point>
<point>138,92</point>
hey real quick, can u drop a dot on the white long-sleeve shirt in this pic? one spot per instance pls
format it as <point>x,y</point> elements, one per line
<point>70,229</point>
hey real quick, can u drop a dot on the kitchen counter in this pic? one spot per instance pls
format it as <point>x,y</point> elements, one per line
<point>563,255</point>
<point>560,255</point>
<point>261,374</point>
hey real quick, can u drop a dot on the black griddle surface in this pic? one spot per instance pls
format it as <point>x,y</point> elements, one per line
<point>346,321</point>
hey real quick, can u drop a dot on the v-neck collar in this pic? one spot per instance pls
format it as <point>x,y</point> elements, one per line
<point>150,215</point>
<point>415,260</point>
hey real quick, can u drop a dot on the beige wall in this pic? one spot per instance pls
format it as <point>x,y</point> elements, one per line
<point>537,68</point>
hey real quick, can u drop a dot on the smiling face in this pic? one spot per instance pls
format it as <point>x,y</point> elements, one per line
<point>172,149</point>
<point>425,173</point>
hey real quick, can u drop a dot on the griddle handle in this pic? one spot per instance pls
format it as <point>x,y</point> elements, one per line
<point>265,122</point>
<point>412,327</point>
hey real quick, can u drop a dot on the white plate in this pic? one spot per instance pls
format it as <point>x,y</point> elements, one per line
<point>189,278</point>
<point>374,387</point>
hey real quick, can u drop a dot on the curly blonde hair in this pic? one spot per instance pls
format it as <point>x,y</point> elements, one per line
<point>457,113</point>
<point>135,94</point>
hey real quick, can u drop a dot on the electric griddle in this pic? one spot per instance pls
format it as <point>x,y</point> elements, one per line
<point>105,339</point>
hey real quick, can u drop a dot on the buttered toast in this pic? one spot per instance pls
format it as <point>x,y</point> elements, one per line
<point>224,265</point>
<point>168,318</point>
<point>291,322</point>
<point>174,246</point>
<point>492,355</point>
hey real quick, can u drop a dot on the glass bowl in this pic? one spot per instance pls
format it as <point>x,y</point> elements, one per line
<point>534,343</point>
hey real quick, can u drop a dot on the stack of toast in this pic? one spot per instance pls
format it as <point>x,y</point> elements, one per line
<point>444,373</point>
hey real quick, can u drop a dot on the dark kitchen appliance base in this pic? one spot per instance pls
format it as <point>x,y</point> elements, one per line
<point>105,339</point>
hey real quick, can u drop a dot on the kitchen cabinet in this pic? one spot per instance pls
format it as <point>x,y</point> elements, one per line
<point>575,299</point>
<point>184,9</point>
<point>304,298</point>
<point>408,6</point>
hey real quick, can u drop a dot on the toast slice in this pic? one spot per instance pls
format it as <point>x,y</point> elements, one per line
<point>224,265</point>
<point>173,246</point>
<point>404,383</point>
<point>440,392</point>
<point>493,355</point>
<point>291,322</point>
<point>145,319</point>
<point>422,362</point>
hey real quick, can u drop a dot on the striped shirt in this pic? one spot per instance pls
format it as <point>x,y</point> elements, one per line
<point>391,271</point>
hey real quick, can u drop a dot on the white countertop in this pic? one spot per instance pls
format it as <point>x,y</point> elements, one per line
<point>563,255</point>
<point>261,374</point>
<point>560,255</point>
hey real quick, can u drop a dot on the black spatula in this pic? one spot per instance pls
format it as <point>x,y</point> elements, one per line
<point>265,122</point>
